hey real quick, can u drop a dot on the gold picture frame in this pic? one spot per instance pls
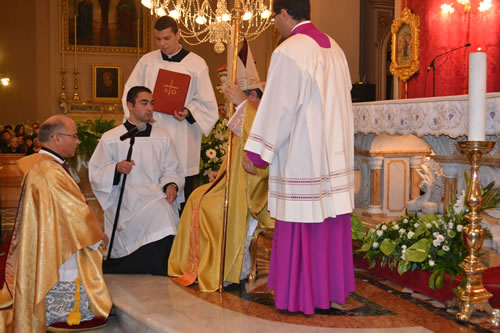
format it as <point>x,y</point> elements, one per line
<point>127,27</point>
<point>106,83</point>
<point>405,45</point>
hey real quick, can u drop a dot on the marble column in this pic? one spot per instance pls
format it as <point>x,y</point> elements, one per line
<point>450,171</point>
<point>415,162</point>
<point>375,207</point>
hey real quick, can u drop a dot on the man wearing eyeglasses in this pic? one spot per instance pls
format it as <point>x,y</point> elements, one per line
<point>53,262</point>
<point>304,131</point>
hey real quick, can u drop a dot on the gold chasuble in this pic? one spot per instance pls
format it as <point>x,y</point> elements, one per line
<point>53,222</point>
<point>196,250</point>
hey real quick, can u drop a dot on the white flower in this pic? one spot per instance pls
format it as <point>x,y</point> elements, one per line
<point>431,263</point>
<point>450,225</point>
<point>405,221</point>
<point>375,245</point>
<point>440,238</point>
<point>446,248</point>
<point>416,225</point>
<point>410,234</point>
<point>403,247</point>
<point>435,234</point>
<point>436,243</point>
<point>211,153</point>
<point>384,227</point>
<point>460,228</point>
<point>396,227</point>
<point>402,231</point>
<point>380,233</point>
<point>428,225</point>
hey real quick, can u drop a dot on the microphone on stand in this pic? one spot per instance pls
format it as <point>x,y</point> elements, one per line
<point>434,67</point>
<point>136,129</point>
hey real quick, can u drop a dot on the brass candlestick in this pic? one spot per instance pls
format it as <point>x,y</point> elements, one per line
<point>473,296</point>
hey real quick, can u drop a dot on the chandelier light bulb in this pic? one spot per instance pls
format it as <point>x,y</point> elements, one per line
<point>463,2</point>
<point>447,8</point>
<point>226,17</point>
<point>147,3</point>
<point>484,5</point>
<point>247,16</point>
<point>175,14</point>
<point>160,11</point>
<point>5,81</point>
<point>266,14</point>
<point>201,19</point>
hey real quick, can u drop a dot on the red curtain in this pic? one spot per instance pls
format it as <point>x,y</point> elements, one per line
<point>443,32</point>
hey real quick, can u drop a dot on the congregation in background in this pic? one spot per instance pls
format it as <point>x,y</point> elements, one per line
<point>19,141</point>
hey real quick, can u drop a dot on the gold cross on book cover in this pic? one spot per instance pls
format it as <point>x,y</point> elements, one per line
<point>170,91</point>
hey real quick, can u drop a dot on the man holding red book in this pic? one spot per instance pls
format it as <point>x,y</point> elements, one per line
<point>199,110</point>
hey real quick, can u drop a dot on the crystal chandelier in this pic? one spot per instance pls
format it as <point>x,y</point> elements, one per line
<point>199,23</point>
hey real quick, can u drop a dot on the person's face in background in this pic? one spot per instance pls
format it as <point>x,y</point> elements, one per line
<point>29,142</point>
<point>167,40</point>
<point>14,143</point>
<point>6,136</point>
<point>36,143</point>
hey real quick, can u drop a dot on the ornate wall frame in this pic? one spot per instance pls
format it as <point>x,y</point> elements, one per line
<point>106,83</point>
<point>68,23</point>
<point>405,45</point>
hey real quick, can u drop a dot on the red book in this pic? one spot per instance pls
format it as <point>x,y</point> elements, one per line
<point>170,91</point>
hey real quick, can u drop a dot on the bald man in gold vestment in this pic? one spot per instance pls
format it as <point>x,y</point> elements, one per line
<point>197,247</point>
<point>55,239</point>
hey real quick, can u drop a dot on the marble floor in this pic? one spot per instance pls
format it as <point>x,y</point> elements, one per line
<point>147,304</point>
<point>151,304</point>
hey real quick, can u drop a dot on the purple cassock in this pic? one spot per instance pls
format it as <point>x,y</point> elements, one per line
<point>311,263</point>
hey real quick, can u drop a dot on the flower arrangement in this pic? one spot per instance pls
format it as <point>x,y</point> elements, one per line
<point>213,149</point>
<point>432,242</point>
<point>89,135</point>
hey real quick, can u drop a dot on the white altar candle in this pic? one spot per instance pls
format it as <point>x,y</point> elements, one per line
<point>477,96</point>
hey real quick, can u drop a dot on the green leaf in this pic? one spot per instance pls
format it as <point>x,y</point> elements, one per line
<point>428,218</point>
<point>432,279</point>
<point>441,253</point>
<point>384,261</point>
<point>420,230</point>
<point>418,251</point>
<point>357,228</point>
<point>387,246</point>
<point>440,279</point>
<point>372,263</point>
<point>403,267</point>
<point>366,246</point>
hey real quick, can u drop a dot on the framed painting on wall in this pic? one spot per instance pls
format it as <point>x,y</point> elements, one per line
<point>105,26</point>
<point>106,83</point>
<point>405,45</point>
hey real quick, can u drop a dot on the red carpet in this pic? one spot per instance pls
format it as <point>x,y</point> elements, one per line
<point>419,281</point>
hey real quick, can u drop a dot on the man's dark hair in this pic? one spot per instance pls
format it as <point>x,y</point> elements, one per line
<point>3,132</point>
<point>134,91</point>
<point>7,127</point>
<point>166,22</point>
<point>49,128</point>
<point>298,9</point>
<point>257,91</point>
